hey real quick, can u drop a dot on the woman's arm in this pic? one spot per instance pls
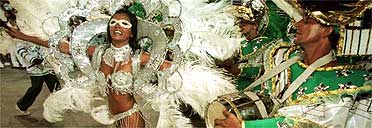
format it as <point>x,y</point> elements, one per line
<point>165,65</point>
<point>64,47</point>
<point>145,58</point>
<point>90,50</point>
<point>20,35</point>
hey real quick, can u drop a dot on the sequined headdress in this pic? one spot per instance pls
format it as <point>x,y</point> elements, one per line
<point>332,12</point>
<point>352,16</point>
<point>253,11</point>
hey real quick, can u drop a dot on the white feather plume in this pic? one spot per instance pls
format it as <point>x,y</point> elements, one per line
<point>208,29</point>
<point>170,116</point>
<point>201,85</point>
<point>194,84</point>
<point>68,98</point>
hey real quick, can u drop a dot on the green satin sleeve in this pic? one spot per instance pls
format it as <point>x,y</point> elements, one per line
<point>264,123</point>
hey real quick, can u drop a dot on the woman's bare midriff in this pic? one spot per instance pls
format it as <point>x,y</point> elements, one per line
<point>119,103</point>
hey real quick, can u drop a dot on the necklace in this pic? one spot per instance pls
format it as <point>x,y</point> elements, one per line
<point>114,54</point>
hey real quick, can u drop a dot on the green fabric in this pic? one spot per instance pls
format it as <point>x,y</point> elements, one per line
<point>264,123</point>
<point>328,78</point>
<point>249,74</point>
<point>278,22</point>
<point>159,17</point>
<point>276,29</point>
<point>248,47</point>
<point>138,10</point>
<point>350,59</point>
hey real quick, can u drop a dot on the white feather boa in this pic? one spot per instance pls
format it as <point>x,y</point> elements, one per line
<point>67,99</point>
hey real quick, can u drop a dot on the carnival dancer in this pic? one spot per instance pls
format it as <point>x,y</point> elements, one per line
<point>121,73</point>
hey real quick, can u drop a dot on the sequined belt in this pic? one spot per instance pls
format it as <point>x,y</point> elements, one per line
<point>122,115</point>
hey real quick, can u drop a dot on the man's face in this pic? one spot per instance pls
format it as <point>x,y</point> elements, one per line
<point>308,30</point>
<point>247,28</point>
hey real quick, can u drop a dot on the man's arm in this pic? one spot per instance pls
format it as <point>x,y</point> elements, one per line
<point>230,65</point>
<point>230,121</point>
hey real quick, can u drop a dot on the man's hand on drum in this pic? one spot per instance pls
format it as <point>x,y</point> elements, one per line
<point>230,121</point>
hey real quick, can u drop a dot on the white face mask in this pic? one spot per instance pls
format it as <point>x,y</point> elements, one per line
<point>122,23</point>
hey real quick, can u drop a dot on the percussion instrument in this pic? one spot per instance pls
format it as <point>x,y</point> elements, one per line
<point>245,105</point>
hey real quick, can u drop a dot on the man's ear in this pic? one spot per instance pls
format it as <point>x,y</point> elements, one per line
<point>256,27</point>
<point>327,31</point>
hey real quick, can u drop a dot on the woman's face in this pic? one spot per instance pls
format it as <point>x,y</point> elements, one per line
<point>120,28</point>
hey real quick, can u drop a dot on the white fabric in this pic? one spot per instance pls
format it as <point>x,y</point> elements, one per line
<point>267,75</point>
<point>1,64</point>
<point>260,105</point>
<point>333,114</point>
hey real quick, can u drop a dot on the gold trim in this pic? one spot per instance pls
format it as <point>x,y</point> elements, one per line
<point>351,41</point>
<point>359,66</point>
<point>341,41</point>
<point>236,110</point>
<point>273,52</point>
<point>271,62</point>
<point>369,37</point>
<point>242,123</point>
<point>303,65</point>
<point>312,96</point>
<point>286,56</point>
<point>334,17</point>
<point>289,73</point>
<point>297,120</point>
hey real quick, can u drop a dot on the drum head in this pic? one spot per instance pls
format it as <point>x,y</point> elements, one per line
<point>214,111</point>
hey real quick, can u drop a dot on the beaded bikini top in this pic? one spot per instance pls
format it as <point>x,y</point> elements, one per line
<point>119,81</point>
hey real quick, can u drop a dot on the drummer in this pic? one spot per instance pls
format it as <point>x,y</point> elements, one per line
<point>316,42</point>
<point>260,26</point>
